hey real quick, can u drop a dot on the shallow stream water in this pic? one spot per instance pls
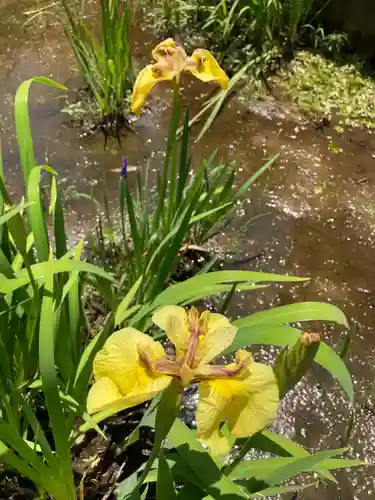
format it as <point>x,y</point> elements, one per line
<point>318,212</point>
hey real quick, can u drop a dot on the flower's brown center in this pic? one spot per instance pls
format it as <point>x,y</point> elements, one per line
<point>156,71</point>
<point>166,51</point>
<point>147,361</point>
<point>197,327</point>
<point>241,365</point>
<point>185,369</point>
<point>199,64</point>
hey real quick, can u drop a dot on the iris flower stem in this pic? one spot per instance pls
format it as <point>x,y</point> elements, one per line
<point>239,457</point>
<point>171,144</point>
<point>173,159</point>
<point>151,459</point>
<point>167,412</point>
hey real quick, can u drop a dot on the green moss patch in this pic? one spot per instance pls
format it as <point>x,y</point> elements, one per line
<point>321,87</point>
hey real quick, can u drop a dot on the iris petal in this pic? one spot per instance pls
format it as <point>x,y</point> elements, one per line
<point>257,403</point>
<point>145,82</point>
<point>219,335</point>
<point>204,66</point>
<point>163,48</point>
<point>173,319</point>
<point>125,363</point>
<point>210,412</point>
<point>103,394</point>
<point>171,61</point>
<point>248,402</point>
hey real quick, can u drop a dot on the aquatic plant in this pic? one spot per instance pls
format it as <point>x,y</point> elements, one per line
<point>250,37</point>
<point>48,357</point>
<point>105,63</point>
<point>240,30</point>
<point>171,61</point>
<point>189,204</point>
<point>133,368</point>
<point>40,302</point>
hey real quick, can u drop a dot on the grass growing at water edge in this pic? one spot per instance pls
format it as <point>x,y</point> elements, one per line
<point>321,87</point>
<point>238,30</point>
<point>105,63</point>
<point>189,203</point>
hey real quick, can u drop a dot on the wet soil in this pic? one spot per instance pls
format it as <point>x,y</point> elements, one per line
<point>318,211</point>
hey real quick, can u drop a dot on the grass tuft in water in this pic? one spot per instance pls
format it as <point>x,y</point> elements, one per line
<point>105,62</point>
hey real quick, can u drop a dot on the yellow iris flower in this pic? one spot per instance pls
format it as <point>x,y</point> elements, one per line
<point>171,60</point>
<point>133,368</point>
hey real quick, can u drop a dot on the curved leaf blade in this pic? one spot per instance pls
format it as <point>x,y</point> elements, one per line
<point>190,286</point>
<point>259,468</point>
<point>280,490</point>
<point>123,307</point>
<point>165,489</point>
<point>18,209</point>
<point>293,313</point>
<point>23,128</point>
<point>298,465</point>
<point>36,214</point>
<point>279,445</point>
<point>217,485</point>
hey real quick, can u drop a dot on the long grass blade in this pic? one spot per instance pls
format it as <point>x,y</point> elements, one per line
<point>51,389</point>
<point>23,128</point>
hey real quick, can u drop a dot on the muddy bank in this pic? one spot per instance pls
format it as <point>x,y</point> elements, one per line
<point>317,203</point>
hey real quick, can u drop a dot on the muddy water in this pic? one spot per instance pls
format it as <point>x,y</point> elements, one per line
<point>83,165</point>
<point>317,204</point>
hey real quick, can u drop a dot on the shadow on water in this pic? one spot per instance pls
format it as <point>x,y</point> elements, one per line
<point>320,217</point>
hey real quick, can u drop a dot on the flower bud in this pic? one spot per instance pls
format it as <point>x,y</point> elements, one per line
<point>124,168</point>
<point>292,363</point>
